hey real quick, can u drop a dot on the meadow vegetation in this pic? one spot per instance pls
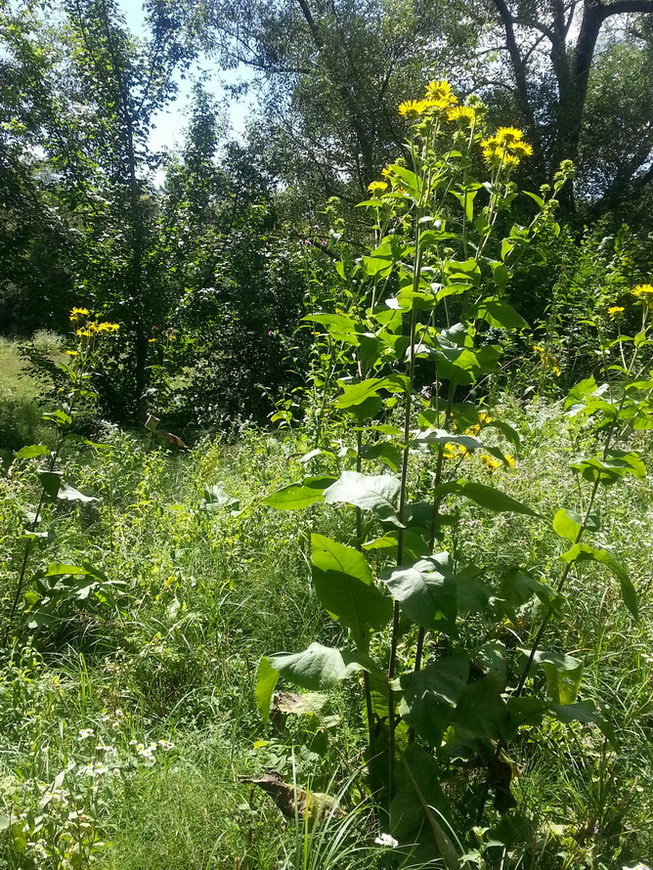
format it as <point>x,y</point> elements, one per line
<point>407,626</point>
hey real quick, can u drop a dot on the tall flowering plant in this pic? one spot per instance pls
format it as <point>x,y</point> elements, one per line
<point>427,307</point>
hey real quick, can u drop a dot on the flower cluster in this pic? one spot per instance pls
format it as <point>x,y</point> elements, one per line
<point>505,148</point>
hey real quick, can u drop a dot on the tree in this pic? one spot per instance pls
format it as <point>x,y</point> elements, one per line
<point>552,49</point>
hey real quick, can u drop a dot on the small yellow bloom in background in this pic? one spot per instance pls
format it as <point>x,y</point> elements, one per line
<point>510,460</point>
<point>377,185</point>
<point>490,462</point>
<point>484,417</point>
<point>107,327</point>
<point>464,114</point>
<point>71,352</point>
<point>151,340</point>
<point>76,313</point>
<point>615,310</point>
<point>411,108</point>
<point>441,95</point>
<point>386,172</point>
<point>85,333</point>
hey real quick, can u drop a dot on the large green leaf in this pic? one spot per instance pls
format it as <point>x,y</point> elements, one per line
<point>568,524</point>
<point>587,553</point>
<point>426,591</point>
<point>299,495</point>
<point>378,493</point>
<point>355,394</point>
<point>487,497</point>
<point>563,675</point>
<point>266,682</point>
<point>339,326</point>
<point>344,586</point>
<point>441,436</point>
<point>32,450</point>
<point>317,667</point>
<point>55,487</point>
<point>430,694</point>
<point>481,711</point>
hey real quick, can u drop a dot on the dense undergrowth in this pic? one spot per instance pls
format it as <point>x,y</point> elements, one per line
<point>213,580</point>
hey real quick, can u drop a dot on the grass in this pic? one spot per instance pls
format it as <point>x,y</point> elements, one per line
<point>20,413</point>
<point>207,591</point>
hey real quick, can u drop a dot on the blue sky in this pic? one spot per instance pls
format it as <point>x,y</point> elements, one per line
<point>169,125</point>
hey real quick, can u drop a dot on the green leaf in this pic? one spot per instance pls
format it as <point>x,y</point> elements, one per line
<point>487,497</point>
<point>55,487</point>
<point>385,452</point>
<point>355,394</point>
<point>441,436</point>
<point>563,675</point>
<point>345,588</point>
<point>481,710</point>
<point>339,326</point>
<point>377,493</point>
<point>580,711</point>
<point>426,591</point>
<point>585,553</point>
<point>429,695</point>
<point>318,667</point>
<point>500,314</point>
<point>266,682</point>
<point>568,524</point>
<point>32,450</point>
<point>518,587</point>
<point>299,495</point>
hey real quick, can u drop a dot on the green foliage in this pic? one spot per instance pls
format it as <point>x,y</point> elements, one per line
<point>432,287</point>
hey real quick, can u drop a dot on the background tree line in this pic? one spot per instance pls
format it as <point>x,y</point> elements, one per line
<point>209,270</point>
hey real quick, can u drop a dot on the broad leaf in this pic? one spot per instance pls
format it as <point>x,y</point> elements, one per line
<point>32,450</point>
<point>487,497</point>
<point>377,493</point>
<point>563,675</point>
<point>299,495</point>
<point>568,524</point>
<point>429,695</point>
<point>585,553</point>
<point>318,667</point>
<point>344,586</point>
<point>355,394</point>
<point>266,682</point>
<point>426,591</point>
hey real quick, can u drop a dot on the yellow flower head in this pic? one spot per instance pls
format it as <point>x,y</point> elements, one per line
<point>76,313</point>
<point>386,172</point>
<point>441,95</point>
<point>377,185</point>
<point>412,108</point>
<point>508,135</point>
<point>615,310</point>
<point>71,352</point>
<point>465,115</point>
<point>523,149</point>
<point>490,462</point>
<point>107,327</point>
<point>510,460</point>
<point>84,333</point>
<point>645,293</point>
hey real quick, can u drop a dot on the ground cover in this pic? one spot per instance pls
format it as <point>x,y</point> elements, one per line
<point>126,725</point>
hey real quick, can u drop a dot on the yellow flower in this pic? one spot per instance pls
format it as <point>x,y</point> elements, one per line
<point>412,108</point>
<point>464,114</point>
<point>490,462</point>
<point>107,327</point>
<point>386,172</point>
<point>645,292</point>
<point>85,333</point>
<point>508,135</point>
<point>377,185</point>
<point>484,418</point>
<point>615,310</point>
<point>76,313</point>
<point>71,352</point>
<point>441,95</point>
<point>510,460</point>
<point>521,148</point>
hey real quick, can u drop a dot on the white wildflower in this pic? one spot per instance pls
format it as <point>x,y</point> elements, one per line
<point>387,841</point>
